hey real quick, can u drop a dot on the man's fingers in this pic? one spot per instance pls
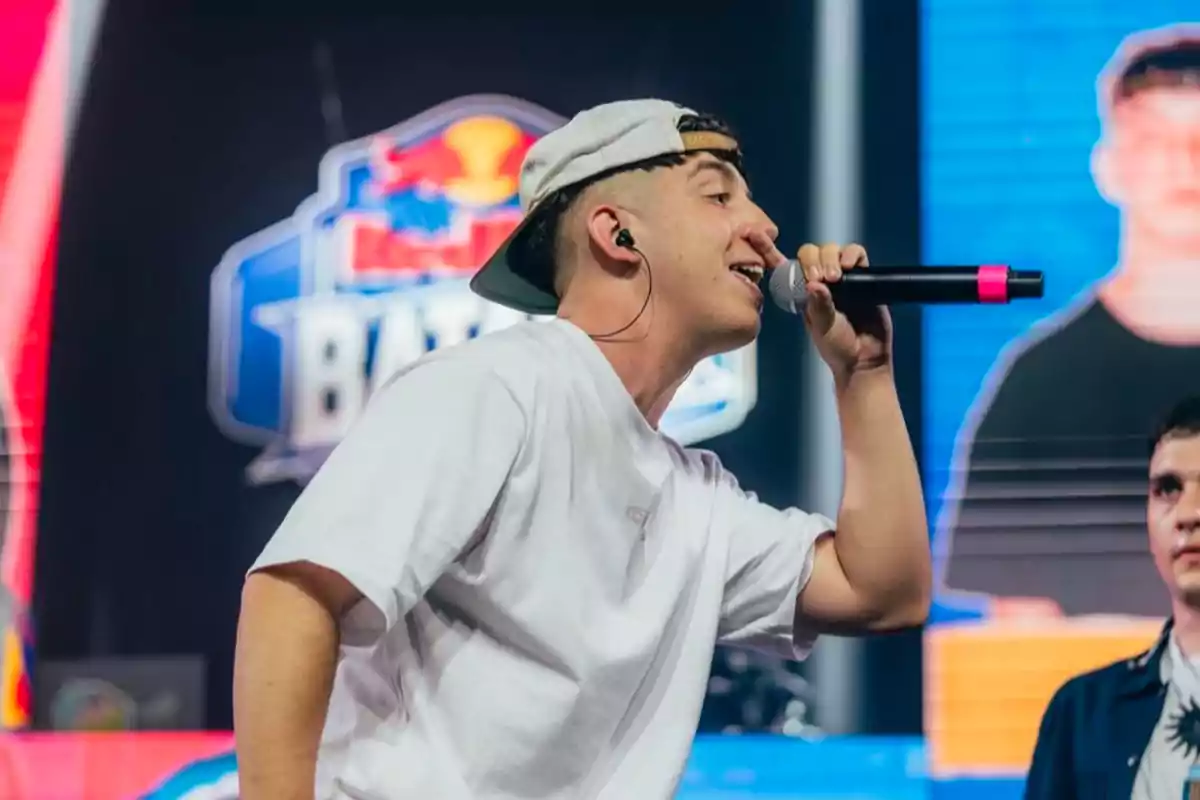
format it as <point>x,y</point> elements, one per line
<point>854,255</point>
<point>827,262</point>
<point>809,257</point>
<point>831,264</point>
<point>766,248</point>
<point>819,308</point>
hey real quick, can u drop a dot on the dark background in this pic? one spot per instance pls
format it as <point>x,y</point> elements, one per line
<point>892,685</point>
<point>202,123</point>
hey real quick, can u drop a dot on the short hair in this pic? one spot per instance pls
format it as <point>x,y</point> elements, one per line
<point>1183,420</point>
<point>536,251</point>
<point>1152,59</point>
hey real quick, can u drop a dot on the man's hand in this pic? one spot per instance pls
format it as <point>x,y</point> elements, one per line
<point>849,339</point>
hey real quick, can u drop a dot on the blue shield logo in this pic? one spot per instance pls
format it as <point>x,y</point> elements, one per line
<point>311,314</point>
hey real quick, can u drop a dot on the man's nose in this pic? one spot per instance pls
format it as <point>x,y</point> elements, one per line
<point>759,221</point>
<point>1187,511</point>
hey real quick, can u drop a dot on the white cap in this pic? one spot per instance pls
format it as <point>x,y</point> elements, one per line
<point>595,142</point>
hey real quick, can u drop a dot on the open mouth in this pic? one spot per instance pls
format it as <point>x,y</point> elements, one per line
<point>750,273</point>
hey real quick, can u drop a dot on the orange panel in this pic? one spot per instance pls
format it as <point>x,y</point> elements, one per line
<point>987,684</point>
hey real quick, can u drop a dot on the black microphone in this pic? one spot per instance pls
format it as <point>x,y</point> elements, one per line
<point>890,285</point>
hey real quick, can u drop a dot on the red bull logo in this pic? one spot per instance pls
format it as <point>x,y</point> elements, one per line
<point>473,166</point>
<point>312,314</point>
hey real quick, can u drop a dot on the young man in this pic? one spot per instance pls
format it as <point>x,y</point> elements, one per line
<point>506,583</point>
<point>1051,481</point>
<point>1132,729</point>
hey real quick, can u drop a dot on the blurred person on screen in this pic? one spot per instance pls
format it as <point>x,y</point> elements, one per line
<point>1045,503</point>
<point>1132,728</point>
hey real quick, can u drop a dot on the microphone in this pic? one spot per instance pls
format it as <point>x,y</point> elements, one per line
<point>890,285</point>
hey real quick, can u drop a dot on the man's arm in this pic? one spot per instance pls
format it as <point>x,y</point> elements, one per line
<point>875,573</point>
<point>404,494</point>
<point>290,616</point>
<point>1051,775</point>
<point>789,578</point>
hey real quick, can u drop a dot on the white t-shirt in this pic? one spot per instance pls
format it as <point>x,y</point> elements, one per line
<point>544,575</point>
<point>1173,749</point>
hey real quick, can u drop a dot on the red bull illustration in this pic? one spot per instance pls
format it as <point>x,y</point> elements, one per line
<point>446,204</point>
<point>311,314</point>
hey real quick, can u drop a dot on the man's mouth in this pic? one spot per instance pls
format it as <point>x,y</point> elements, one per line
<point>750,273</point>
<point>1191,552</point>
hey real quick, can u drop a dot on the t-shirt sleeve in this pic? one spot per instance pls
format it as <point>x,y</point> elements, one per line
<point>770,559</point>
<point>407,489</point>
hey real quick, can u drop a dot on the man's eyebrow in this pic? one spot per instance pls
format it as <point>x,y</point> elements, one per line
<point>1174,474</point>
<point>726,170</point>
<point>1172,480</point>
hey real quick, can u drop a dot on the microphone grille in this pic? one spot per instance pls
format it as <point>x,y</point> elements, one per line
<point>786,286</point>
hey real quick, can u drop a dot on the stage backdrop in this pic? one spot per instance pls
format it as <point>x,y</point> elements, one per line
<point>1027,406</point>
<point>261,200</point>
<point>33,64</point>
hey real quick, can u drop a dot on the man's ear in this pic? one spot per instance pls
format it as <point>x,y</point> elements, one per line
<point>1104,173</point>
<point>603,226</point>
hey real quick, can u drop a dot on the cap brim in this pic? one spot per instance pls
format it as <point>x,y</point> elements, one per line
<point>500,281</point>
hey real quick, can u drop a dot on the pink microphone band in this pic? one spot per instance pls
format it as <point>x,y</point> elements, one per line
<point>993,283</point>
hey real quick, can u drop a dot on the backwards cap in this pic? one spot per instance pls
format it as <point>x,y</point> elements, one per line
<point>596,141</point>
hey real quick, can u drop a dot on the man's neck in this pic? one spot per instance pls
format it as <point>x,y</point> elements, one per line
<point>648,362</point>
<point>1155,290</point>
<point>651,372</point>
<point>1186,630</point>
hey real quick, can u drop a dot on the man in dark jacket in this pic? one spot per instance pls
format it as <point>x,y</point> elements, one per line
<point>1132,729</point>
